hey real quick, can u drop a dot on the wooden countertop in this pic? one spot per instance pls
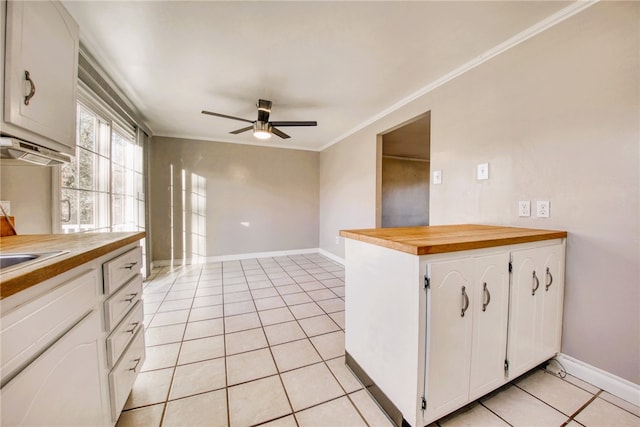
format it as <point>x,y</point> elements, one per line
<point>80,247</point>
<point>449,238</point>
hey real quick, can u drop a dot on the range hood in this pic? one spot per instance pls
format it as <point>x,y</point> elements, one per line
<point>12,148</point>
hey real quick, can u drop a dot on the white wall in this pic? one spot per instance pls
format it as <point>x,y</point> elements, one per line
<point>557,118</point>
<point>251,199</point>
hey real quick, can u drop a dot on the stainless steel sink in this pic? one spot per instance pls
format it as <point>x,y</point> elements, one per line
<point>11,261</point>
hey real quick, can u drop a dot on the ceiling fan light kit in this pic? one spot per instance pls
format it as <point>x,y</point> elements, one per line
<point>263,128</point>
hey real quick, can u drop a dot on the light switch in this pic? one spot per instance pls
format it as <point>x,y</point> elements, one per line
<point>483,171</point>
<point>437,177</point>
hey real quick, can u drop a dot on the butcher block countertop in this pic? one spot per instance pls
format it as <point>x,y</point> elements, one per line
<point>437,239</point>
<point>80,248</point>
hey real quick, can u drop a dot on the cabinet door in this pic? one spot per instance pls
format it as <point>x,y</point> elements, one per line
<point>62,386</point>
<point>448,335</point>
<point>550,326</point>
<point>41,39</point>
<point>535,321</point>
<point>490,319</point>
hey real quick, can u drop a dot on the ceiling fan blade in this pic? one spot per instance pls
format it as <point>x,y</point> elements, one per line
<point>226,117</point>
<point>237,131</point>
<point>279,133</point>
<point>281,124</point>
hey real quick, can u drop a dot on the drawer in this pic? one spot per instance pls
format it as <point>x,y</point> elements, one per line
<point>123,375</point>
<point>120,269</point>
<point>119,304</point>
<point>28,329</point>
<point>123,333</point>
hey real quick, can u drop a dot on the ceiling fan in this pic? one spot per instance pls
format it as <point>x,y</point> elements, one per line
<point>263,128</point>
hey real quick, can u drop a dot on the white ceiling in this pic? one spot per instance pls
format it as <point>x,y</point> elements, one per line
<point>340,63</point>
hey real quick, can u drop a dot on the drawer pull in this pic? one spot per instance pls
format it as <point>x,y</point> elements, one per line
<point>133,329</point>
<point>131,297</point>
<point>136,365</point>
<point>131,265</point>
<point>536,283</point>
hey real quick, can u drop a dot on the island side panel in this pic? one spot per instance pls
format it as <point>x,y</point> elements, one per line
<point>383,296</point>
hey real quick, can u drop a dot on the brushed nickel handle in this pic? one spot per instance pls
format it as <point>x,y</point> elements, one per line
<point>537,283</point>
<point>465,302</point>
<point>487,297</point>
<point>133,329</point>
<point>32,86</point>
<point>132,297</point>
<point>131,265</point>
<point>549,281</point>
<point>136,365</point>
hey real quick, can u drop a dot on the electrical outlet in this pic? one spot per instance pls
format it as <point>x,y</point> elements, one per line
<point>337,240</point>
<point>543,209</point>
<point>483,171</point>
<point>6,205</point>
<point>524,208</point>
<point>437,177</point>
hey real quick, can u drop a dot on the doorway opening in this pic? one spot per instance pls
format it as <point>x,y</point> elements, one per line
<point>404,155</point>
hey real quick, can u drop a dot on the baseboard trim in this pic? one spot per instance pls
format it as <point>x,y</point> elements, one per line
<point>233,257</point>
<point>331,256</point>
<point>608,382</point>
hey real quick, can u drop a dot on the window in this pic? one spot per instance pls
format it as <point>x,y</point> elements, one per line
<point>103,190</point>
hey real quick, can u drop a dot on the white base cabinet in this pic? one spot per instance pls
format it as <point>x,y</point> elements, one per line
<point>63,386</point>
<point>70,353</point>
<point>435,332</point>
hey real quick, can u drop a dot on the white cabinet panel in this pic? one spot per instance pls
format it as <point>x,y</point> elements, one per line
<point>449,335</point>
<point>62,386</point>
<point>41,40</point>
<point>535,321</point>
<point>467,306</point>
<point>490,322</point>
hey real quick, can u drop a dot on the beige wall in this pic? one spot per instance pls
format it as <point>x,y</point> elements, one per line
<point>250,199</point>
<point>405,192</point>
<point>557,118</point>
<point>28,188</point>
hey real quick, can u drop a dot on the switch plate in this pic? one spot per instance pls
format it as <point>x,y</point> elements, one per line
<point>6,205</point>
<point>543,209</point>
<point>483,171</point>
<point>524,208</point>
<point>437,177</point>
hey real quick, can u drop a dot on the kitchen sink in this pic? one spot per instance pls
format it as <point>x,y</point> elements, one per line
<point>11,261</point>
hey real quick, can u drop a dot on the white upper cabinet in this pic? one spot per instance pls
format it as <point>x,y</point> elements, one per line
<point>40,75</point>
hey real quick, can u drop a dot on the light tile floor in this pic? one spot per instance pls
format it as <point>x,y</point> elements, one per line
<point>261,342</point>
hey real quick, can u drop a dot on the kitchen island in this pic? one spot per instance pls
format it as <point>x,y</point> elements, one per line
<point>71,330</point>
<point>438,316</point>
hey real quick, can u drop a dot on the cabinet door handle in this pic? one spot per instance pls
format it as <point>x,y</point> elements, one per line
<point>131,297</point>
<point>487,297</point>
<point>131,265</point>
<point>136,365</point>
<point>465,302</point>
<point>133,328</point>
<point>549,280</point>
<point>32,90</point>
<point>536,283</point>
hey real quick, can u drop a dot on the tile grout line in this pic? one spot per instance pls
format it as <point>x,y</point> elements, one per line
<point>580,409</point>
